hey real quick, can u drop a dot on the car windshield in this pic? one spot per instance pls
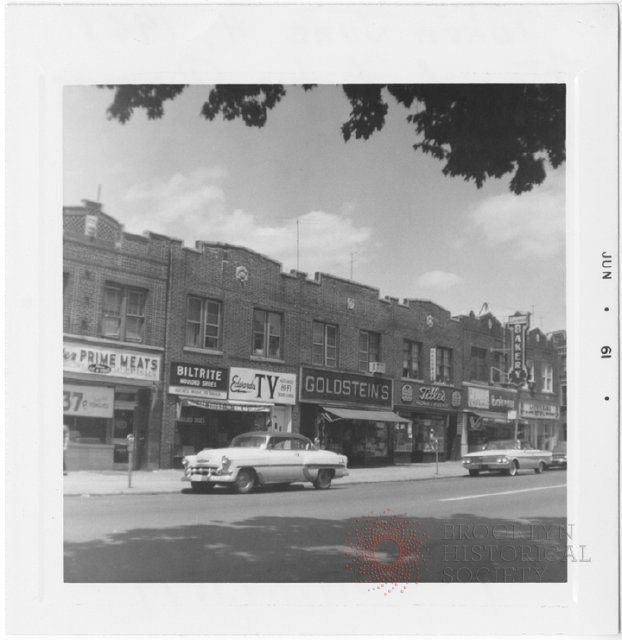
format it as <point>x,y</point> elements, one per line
<point>501,444</point>
<point>255,442</point>
<point>560,447</point>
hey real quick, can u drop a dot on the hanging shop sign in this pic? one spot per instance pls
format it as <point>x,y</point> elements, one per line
<point>426,395</point>
<point>87,401</point>
<point>518,324</point>
<point>478,398</point>
<point>186,379</point>
<point>258,385</point>
<point>502,400</point>
<point>322,386</point>
<point>124,363</point>
<point>534,409</point>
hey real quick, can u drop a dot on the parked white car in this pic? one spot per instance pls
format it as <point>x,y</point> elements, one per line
<point>263,458</point>
<point>507,456</point>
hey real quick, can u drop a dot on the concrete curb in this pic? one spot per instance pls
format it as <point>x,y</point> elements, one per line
<point>154,492</point>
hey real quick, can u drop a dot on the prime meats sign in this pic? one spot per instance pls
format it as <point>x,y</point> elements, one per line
<point>122,363</point>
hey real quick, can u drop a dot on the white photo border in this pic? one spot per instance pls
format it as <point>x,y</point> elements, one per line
<point>49,47</point>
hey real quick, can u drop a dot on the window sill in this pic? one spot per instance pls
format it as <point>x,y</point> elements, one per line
<point>419,380</point>
<point>211,352</point>
<point>74,337</point>
<point>265,359</point>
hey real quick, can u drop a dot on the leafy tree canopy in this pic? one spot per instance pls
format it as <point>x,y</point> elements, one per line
<point>478,131</point>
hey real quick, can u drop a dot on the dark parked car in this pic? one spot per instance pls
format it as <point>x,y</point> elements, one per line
<point>559,456</point>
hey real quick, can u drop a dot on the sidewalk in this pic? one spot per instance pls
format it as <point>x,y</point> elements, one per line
<point>91,483</point>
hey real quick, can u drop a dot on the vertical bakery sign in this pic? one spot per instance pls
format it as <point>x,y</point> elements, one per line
<point>518,324</point>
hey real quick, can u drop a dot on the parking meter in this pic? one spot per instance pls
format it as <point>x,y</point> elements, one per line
<point>130,458</point>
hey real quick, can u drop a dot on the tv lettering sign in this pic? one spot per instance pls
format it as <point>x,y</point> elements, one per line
<point>518,324</point>
<point>257,385</point>
<point>186,379</point>
<point>110,361</point>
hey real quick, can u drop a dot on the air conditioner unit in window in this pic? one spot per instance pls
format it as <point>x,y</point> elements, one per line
<point>377,367</point>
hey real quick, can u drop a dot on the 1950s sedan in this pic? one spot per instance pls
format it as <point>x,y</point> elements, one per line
<point>263,458</point>
<point>507,456</point>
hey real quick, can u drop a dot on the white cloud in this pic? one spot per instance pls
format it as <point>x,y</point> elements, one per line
<point>439,280</point>
<point>529,225</point>
<point>194,207</point>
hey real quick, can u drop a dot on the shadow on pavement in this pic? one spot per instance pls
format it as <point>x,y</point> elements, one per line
<point>375,548</point>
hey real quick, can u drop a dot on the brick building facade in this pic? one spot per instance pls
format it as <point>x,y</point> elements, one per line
<point>234,343</point>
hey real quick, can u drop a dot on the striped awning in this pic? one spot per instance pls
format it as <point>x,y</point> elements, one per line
<point>337,413</point>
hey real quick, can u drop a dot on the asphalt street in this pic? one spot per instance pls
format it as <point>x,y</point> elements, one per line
<point>485,529</point>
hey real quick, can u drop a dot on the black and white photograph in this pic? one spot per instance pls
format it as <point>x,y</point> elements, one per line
<point>338,320</point>
<point>345,303</point>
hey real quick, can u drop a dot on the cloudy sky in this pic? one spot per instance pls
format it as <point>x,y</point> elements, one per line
<point>375,206</point>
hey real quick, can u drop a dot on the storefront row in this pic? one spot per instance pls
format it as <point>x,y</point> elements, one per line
<point>110,393</point>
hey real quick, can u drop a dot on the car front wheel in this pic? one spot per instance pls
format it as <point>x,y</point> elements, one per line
<point>473,472</point>
<point>512,469</point>
<point>245,482</point>
<point>323,480</point>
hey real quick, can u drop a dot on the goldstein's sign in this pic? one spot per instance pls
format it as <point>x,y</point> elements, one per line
<point>110,361</point>
<point>321,386</point>
<point>186,379</point>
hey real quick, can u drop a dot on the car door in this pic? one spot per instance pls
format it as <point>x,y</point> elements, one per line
<point>285,460</point>
<point>529,456</point>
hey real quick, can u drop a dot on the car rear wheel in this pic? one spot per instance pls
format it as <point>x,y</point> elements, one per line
<point>473,472</point>
<point>201,487</point>
<point>245,482</point>
<point>513,468</point>
<point>540,468</point>
<point>323,480</point>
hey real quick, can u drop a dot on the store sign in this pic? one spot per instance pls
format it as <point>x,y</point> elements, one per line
<point>90,402</point>
<point>518,371</point>
<point>257,385</point>
<point>532,409</point>
<point>502,400</point>
<point>423,395</point>
<point>318,385</point>
<point>124,363</point>
<point>186,379</point>
<point>478,398</point>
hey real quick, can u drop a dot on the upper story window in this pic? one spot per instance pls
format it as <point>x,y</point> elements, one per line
<point>123,313</point>
<point>478,364</point>
<point>324,344</point>
<point>204,323</point>
<point>547,378</point>
<point>500,367</point>
<point>411,365</point>
<point>443,369</point>
<point>267,334</point>
<point>369,349</point>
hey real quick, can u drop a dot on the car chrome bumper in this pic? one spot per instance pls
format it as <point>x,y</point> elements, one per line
<point>208,477</point>
<point>486,466</point>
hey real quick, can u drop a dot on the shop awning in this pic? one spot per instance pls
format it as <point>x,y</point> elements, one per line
<point>337,413</point>
<point>225,405</point>
<point>491,415</point>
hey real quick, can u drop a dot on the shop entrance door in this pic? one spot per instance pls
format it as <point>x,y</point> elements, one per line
<point>123,425</point>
